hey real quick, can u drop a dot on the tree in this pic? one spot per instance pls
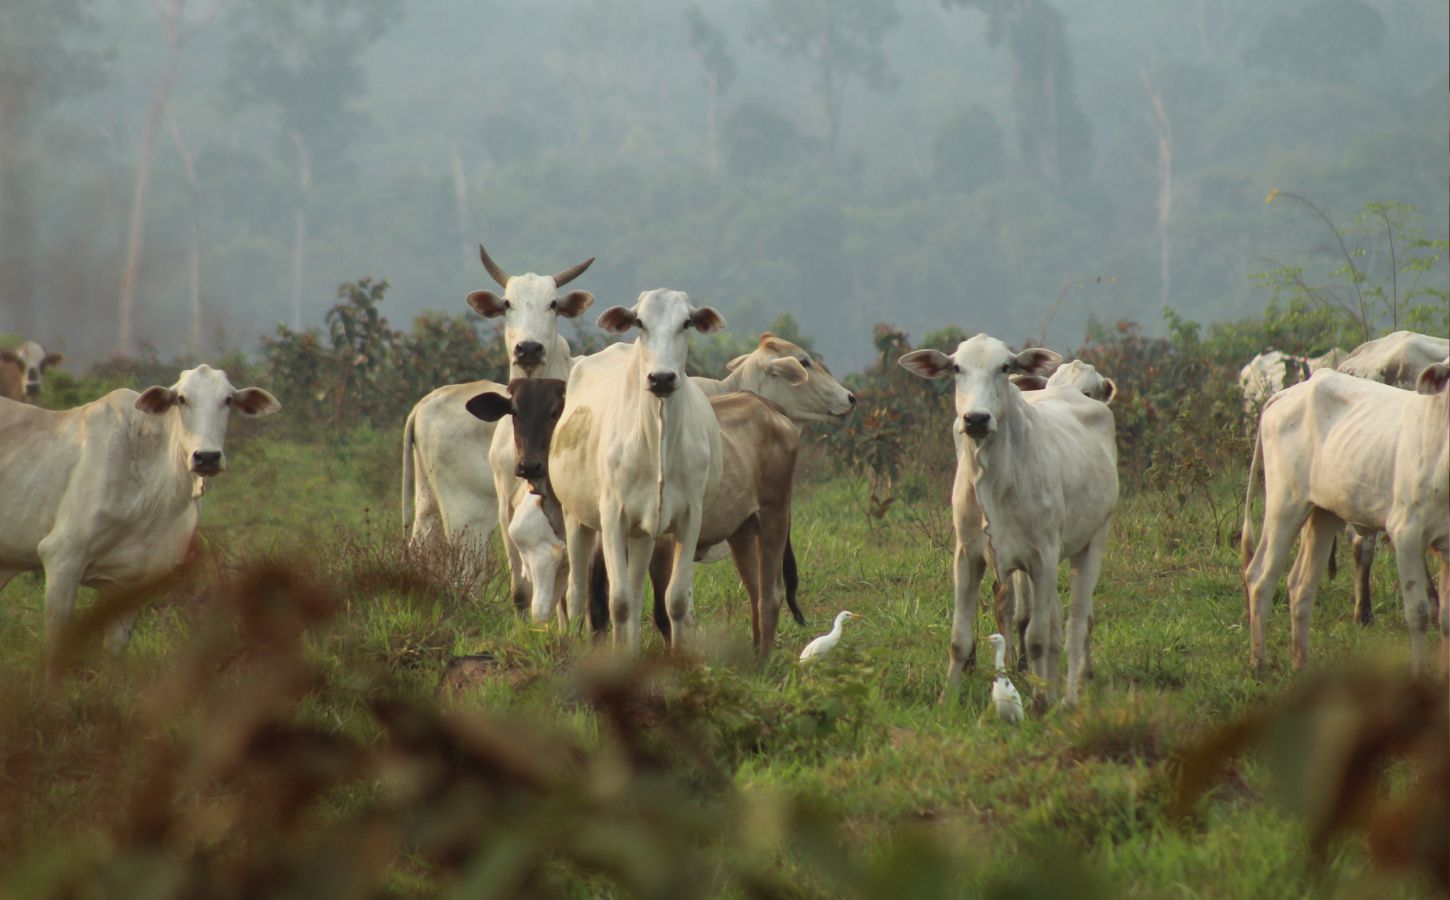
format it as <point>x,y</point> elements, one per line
<point>176,30</point>
<point>709,44</point>
<point>840,38</point>
<point>967,151</point>
<point>303,58</point>
<point>1053,134</point>
<point>1163,128</point>
<point>44,57</point>
<point>1320,42</point>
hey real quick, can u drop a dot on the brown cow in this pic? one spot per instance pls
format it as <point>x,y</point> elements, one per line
<point>22,371</point>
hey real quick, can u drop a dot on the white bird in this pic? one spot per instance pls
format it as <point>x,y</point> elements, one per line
<point>823,644</point>
<point>1004,692</point>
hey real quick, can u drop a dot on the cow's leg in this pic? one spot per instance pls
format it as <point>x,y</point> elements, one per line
<point>1445,608</point>
<point>580,541</point>
<point>1044,629</point>
<point>1002,599</point>
<point>1316,542</point>
<point>64,569</point>
<point>774,537</point>
<point>1410,565</point>
<point>1021,609</point>
<point>745,552</point>
<point>638,551</point>
<point>521,587</point>
<point>662,562</point>
<point>118,635</point>
<point>1082,579</point>
<point>1362,546</point>
<point>968,566</point>
<point>679,599</point>
<point>614,548</point>
<point>1282,520</point>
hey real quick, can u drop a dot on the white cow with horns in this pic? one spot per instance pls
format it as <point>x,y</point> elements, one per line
<point>449,485</point>
<point>1338,449</point>
<point>1035,482</point>
<point>107,495</point>
<point>634,455</point>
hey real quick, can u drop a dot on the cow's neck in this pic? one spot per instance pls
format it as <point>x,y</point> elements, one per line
<point>159,442</point>
<point>1008,471</point>
<point>656,426</point>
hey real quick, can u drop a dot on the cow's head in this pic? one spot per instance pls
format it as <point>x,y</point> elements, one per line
<point>32,360</point>
<point>663,318</point>
<point>531,307</point>
<point>536,405</point>
<point>981,366</point>
<point>1086,379</point>
<point>784,373</point>
<point>203,400</point>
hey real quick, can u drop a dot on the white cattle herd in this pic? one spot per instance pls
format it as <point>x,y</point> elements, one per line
<point>607,468</point>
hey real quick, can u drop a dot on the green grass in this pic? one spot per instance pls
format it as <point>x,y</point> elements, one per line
<point>1070,803</point>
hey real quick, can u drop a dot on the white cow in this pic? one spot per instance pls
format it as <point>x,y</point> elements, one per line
<point>449,489</point>
<point>1076,373</point>
<point>22,371</point>
<point>107,494</point>
<point>1340,449</point>
<point>1035,482</point>
<point>1267,374</point>
<point>1396,358</point>
<point>636,452</point>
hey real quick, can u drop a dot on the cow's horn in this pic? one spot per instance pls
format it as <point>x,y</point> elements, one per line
<point>572,273</point>
<point>498,274</point>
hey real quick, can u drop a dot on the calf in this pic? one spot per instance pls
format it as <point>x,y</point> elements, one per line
<point>1340,449</point>
<point>110,490</point>
<point>537,527</point>
<point>22,371</point>
<point>1035,482</point>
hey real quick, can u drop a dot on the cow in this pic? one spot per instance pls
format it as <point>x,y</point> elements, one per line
<point>1035,482</point>
<point>1398,359</point>
<point>22,371</point>
<point>1269,373</point>
<point>636,453</point>
<point>449,489</point>
<point>1339,449</point>
<point>537,527</point>
<point>110,490</point>
<point>1076,373</point>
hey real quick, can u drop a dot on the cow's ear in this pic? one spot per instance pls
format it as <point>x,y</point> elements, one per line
<point>52,359</point>
<point>487,304</point>
<point>573,303</point>
<point>10,357</point>
<point>156,400</point>
<point>705,320</point>
<point>1433,379</point>
<point>1110,390</point>
<point>928,363</point>
<point>254,402</point>
<point>1029,382</point>
<point>617,320</point>
<point>790,369</point>
<point>490,407</point>
<point>1036,361</point>
<point>736,363</point>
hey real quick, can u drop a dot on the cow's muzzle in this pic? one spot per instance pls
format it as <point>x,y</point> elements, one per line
<point>32,389</point>
<point>529,355</point>
<point>663,384</point>
<point>977,424</point>
<point>206,462</point>
<point>529,469</point>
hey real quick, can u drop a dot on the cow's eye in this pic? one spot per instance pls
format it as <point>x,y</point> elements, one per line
<point>806,361</point>
<point>1006,367</point>
<point>180,400</point>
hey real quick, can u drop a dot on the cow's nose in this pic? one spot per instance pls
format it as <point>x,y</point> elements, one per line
<point>851,398</point>
<point>32,387</point>
<point>206,460</point>
<point>529,469</point>
<point>663,384</point>
<point>529,353</point>
<point>976,423</point>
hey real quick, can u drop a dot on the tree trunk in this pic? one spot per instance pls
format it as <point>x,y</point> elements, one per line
<point>136,231</point>
<point>299,227</point>
<point>17,235</point>
<point>460,199</point>
<point>1164,129</point>
<point>194,252</point>
<point>712,122</point>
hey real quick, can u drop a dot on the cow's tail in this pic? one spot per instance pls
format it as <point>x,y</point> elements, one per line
<point>1246,537</point>
<point>408,476</point>
<point>792,582</point>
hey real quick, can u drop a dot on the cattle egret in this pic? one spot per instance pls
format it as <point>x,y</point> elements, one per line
<point>1004,693</point>
<point>823,644</point>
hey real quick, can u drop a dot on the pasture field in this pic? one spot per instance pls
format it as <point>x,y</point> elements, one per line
<point>281,767</point>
